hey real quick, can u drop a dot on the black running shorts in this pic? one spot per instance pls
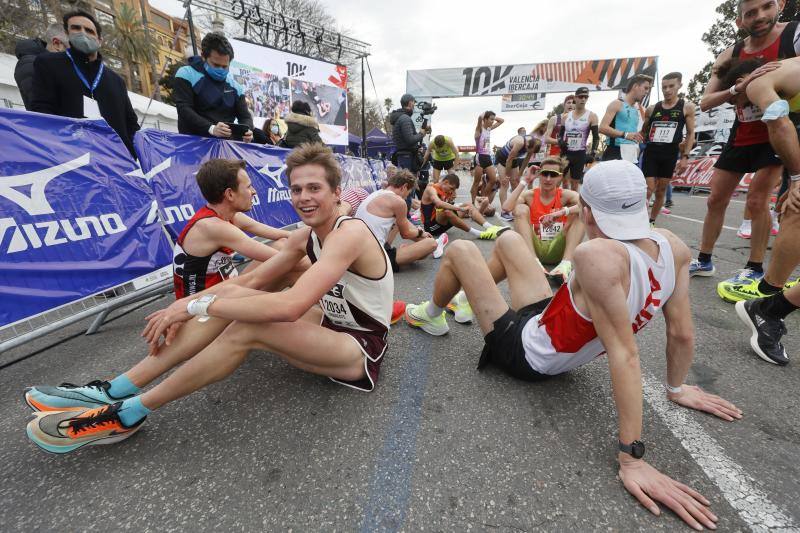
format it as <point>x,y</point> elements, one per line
<point>744,159</point>
<point>659,163</point>
<point>391,251</point>
<point>576,162</point>
<point>484,160</point>
<point>503,345</point>
<point>443,165</point>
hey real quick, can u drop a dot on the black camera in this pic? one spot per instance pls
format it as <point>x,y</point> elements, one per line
<point>426,109</point>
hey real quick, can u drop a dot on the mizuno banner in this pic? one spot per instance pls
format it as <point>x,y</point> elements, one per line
<point>596,74</point>
<point>74,218</point>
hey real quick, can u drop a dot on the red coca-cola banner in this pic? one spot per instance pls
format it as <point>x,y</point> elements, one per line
<point>699,172</point>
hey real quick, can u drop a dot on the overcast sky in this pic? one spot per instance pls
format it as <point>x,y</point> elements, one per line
<point>417,34</point>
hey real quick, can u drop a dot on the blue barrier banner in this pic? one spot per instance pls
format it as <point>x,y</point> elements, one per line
<point>74,218</point>
<point>170,162</point>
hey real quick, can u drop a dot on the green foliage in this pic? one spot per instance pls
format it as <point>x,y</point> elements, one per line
<point>166,82</point>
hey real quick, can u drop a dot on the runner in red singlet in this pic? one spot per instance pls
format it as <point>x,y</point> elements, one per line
<point>624,275</point>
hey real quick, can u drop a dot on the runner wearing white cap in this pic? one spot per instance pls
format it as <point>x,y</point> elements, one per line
<point>622,277</point>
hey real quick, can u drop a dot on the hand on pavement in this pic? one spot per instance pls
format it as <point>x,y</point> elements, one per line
<point>696,398</point>
<point>649,486</point>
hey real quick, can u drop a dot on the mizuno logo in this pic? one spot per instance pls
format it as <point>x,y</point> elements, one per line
<point>36,203</point>
<point>626,206</point>
<point>275,174</point>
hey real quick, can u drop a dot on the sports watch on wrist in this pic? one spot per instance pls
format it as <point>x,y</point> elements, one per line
<point>635,449</point>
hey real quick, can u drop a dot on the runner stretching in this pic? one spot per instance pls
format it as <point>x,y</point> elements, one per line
<point>483,158</point>
<point>439,213</point>
<point>386,209</point>
<point>334,322</point>
<point>203,252</point>
<point>443,152</point>
<point>512,157</point>
<point>623,276</point>
<point>577,125</point>
<point>663,132</point>
<point>547,218</point>
<point>555,126</point>
<point>748,148</point>
<point>621,121</point>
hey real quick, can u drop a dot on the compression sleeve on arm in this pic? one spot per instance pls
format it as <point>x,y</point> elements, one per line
<point>595,137</point>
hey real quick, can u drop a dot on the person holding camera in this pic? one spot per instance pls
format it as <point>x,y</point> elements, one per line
<point>405,136</point>
<point>207,97</point>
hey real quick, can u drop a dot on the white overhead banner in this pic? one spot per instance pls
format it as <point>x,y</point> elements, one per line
<point>719,118</point>
<point>566,76</point>
<point>522,102</point>
<point>273,79</point>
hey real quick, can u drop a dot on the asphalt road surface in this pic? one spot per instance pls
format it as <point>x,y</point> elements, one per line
<point>437,447</point>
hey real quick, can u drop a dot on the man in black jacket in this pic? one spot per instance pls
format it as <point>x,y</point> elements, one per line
<point>405,135</point>
<point>55,40</point>
<point>206,95</point>
<point>75,83</point>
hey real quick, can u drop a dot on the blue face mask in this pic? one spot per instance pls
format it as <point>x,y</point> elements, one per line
<point>217,73</point>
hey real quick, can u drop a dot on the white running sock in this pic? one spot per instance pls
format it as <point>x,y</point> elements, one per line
<point>475,232</point>
<point>433,310</point>
<point>487,224</point>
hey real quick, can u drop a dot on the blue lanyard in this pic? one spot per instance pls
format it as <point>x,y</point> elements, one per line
<point>96,81</point>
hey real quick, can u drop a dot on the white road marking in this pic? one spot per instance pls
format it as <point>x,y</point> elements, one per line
<point>704,198</point>
<point>741,490</point>
<point>698,221</point>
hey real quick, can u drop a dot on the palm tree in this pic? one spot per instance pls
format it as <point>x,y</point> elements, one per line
<point>130,42</point>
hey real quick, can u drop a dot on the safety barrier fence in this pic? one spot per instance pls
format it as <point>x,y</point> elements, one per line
<point>84,229</point>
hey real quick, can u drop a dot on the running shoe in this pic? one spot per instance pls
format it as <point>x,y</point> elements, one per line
<point>665,211</point>
<point>744,230</point>
<point>737,292</point>
<point>767,332</point>
<point>493,232</point>
<point>507,215</point>
<point>69,397</point>
<point>462,311</point>
<point>790,284</point>
<point>745,276</point>
<point>65,431</point>
<point>561,272</point>
<point>701,268</point>
<point>398,308</point>
<point>417,316</point>
<point>441,242</point>
<point>668,204</point>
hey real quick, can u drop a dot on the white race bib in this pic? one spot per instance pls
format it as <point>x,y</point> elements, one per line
<point>575,141</point>
<point>337,309</point>
<point>550,230</point>
<point>749,113</point>
<point>90,109</point>
<point>663,132</point>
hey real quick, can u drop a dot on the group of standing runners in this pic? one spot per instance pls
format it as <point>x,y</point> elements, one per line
<point>322,297</point>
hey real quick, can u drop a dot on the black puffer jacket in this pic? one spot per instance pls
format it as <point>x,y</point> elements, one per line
<point>26,52</point>
<point>301,129</point>
<point>404,134</point>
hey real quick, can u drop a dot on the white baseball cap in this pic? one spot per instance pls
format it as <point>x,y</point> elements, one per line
<point>617,193</point>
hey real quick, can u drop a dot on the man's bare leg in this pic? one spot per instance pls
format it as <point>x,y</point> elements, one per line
<point>573,232</point>
<point>723,183</point>
<point>660,191</point>
<point>785,250</point>
<point>408,253</point>
<point>463,265</point>
<point>522,224</point>
<point>491,179</point>
<point>302,344</point>
<point>476,182</point>
<point>758,195</point>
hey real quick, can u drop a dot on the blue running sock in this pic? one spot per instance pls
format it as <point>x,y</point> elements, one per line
<point>122,387</point>
<point>132,411</point>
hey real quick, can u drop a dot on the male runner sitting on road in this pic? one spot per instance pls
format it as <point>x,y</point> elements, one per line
<point>443,152</point>
<point>621,121</point>
<point>622,277</point>
<point>777,93</point>
<point>385,208</point>
<point>512,157</point>
<point>548,218</point>
<point>203,252</point>
<point>334,322</point>
<point>667,153</point>
<point>439,214</point>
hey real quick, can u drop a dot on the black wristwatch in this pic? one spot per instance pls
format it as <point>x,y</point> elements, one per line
<point>635,449</point>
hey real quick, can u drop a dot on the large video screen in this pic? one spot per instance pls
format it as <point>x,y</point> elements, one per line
<point>273,79</point>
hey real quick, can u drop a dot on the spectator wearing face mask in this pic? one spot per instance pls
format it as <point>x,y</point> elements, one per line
<point>76,83</point>
<point>206,95</point>
<point>273,131</point>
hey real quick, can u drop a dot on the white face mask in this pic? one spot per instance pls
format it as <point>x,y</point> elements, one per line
<point>275,129</point>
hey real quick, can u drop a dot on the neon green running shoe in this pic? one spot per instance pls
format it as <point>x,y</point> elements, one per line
<point>417,316</point>
<point>493,232</point>
<point>740,292</point>
<point>462,311</point>
<point>790,284</point>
